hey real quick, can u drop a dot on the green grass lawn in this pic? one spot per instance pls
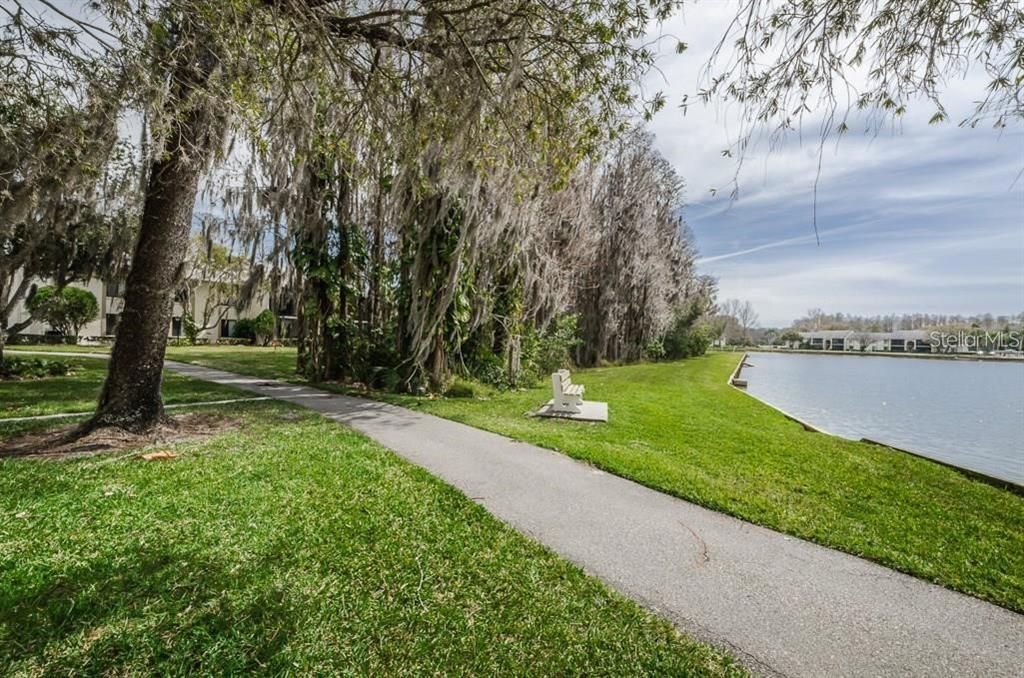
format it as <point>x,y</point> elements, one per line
<point>295,546</point>
<point>258,361</point>
<point>268,363</point>
<point>79,391</point>
<point>56,348</point>
<point>679,428</point>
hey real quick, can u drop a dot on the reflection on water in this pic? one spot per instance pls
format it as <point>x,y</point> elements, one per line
<point>964,412</point>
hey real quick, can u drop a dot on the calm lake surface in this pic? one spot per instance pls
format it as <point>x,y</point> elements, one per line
<point>964,412</point>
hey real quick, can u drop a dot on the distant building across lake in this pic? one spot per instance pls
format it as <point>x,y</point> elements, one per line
<point>898,341</point>
<point>1005,344</point>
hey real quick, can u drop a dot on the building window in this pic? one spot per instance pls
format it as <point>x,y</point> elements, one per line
<point>110,323</point>
<point>115,288</point>
<point>227,328</point>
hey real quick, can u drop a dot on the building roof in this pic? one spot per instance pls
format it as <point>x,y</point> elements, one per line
<point>916,335</point>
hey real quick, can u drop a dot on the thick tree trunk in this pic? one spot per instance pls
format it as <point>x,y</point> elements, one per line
<point>131,397</point>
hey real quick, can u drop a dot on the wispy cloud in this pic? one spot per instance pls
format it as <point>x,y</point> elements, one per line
<point>921,218</point>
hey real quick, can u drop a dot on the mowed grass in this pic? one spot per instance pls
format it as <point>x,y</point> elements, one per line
<point>79,391</point>
<point>55,348</point>
<point>295,546</point>
<point>258,361</point>
<point>679,428</point>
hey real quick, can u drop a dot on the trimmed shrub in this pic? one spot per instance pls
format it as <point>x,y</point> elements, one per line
<point>65,310</point>
<point>263,327</point>
<point>234,341</point>
<point>245,328</point>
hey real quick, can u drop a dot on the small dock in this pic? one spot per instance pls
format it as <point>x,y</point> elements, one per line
<point>735,379</point>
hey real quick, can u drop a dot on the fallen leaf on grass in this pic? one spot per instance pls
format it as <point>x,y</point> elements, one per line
<point>159,456</point>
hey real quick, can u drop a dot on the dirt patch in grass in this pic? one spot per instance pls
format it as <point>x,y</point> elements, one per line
<point>60,443</point>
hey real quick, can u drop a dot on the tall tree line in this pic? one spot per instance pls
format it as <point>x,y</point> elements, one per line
<point>816,319</point>
<point>408,170</point>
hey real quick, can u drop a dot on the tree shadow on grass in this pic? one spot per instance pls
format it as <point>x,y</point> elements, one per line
<point>166,612</point>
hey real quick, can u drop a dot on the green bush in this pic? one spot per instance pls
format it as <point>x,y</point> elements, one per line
<point>460,389</point>
<point>33,368</point>
<point>263,326</point>
<point>189,329</point>
<point>257,330</point>
<point>791,337</point>
<point>655,350</point>
<point>245,328</point>
<point>29,339</point>
<point>384,378</point>
<point>57,368</point>
<point>686,338</point>
<point>485,366</point>
<point>65,310</point>
<point>234,341</point>
<point>543,353</point>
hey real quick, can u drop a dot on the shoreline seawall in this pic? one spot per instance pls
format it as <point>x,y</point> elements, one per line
<point>963,357</point>
<point>1008,485</point>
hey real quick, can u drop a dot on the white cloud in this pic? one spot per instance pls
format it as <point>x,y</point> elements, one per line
<point>919,218</point>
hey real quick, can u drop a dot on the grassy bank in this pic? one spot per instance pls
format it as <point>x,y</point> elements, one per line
<point>294,546</point>
<point>679,428</point>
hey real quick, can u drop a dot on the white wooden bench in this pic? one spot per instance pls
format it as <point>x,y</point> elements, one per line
<point>565,395</point>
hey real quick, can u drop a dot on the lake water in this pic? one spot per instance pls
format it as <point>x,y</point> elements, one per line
<point>969,413</point>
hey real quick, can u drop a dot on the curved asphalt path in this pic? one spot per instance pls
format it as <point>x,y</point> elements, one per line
<point>781,605</point>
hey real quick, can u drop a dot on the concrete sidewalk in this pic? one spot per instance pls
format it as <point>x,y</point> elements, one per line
<point>781,605</point>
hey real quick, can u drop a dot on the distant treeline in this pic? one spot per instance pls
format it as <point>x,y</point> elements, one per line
<point>816,319</point>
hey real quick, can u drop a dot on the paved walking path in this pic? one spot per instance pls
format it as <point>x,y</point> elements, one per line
<point>783,606</point>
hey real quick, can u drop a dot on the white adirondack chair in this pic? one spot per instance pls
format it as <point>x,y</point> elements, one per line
<point>565,395</point>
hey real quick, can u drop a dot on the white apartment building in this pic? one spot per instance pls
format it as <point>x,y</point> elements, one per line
<point>220,318</point>
<point>897,341</point>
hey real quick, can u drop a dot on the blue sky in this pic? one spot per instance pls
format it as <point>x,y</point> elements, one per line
<point>920,218</point>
